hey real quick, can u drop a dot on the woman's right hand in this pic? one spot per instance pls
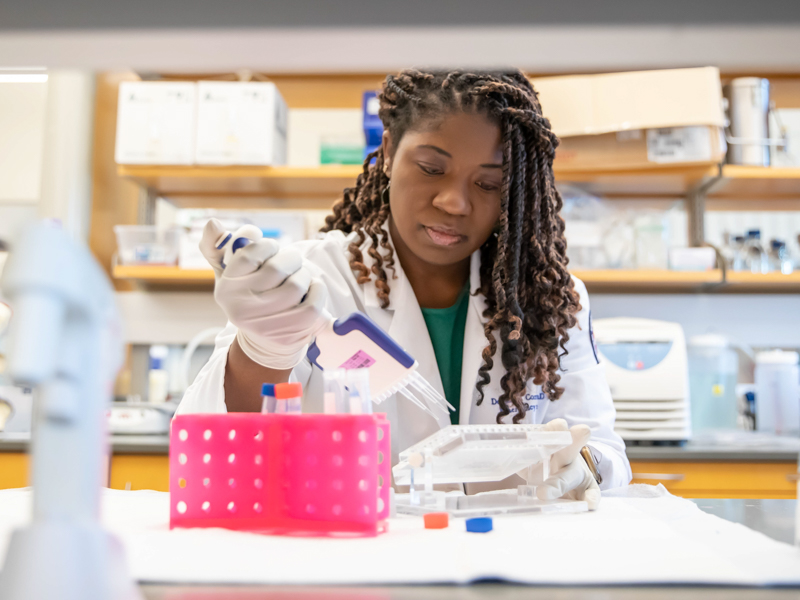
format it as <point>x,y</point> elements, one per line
<point>267,293</point>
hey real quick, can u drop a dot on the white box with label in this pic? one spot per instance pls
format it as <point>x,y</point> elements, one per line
<point>155,123</point>
<point>240,123</point>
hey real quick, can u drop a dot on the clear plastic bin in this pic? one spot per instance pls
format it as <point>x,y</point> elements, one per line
<point>147,244</point>
<point>481,453</point>
<point>475,453</point>
<point>522,501</point>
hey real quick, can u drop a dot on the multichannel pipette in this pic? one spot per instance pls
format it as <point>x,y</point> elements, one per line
<point>356,342</point>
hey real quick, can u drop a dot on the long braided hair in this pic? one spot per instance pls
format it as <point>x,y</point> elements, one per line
<point>530,297</point>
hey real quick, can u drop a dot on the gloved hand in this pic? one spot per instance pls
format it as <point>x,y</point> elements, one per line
<point>266,292</point>
<point>570,475</point>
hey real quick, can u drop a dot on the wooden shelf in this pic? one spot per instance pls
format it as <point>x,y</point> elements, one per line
<point>600,280</point>
<point>329,181</point>
<point>758,283</point>
<point>667,181</point>
<point>164,276</point>
<point>275,182</point>
<point>664,281</point>
<point>742,182</point>
<point>648,280</point>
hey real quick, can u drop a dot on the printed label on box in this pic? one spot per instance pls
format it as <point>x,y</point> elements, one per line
<point>678,144</point>
<point>359,360</point>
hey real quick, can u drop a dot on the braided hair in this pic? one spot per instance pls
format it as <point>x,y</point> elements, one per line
<point>531,301</point>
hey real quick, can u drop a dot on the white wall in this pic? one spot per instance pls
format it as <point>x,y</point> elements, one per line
<point>66,191</point>
<point>535,48</point>
<point>759,320</point>
<point>22,119</point>
<point>22,122</point>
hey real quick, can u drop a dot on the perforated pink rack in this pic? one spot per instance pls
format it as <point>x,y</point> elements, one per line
<point>280,474</point>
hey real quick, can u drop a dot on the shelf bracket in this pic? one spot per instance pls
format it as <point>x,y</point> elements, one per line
<point>147,206</point>
<point>696,207</point>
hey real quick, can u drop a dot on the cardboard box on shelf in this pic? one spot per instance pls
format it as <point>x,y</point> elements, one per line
<point>240,123</point>
<point>628,121</point>
<point>155,123</point>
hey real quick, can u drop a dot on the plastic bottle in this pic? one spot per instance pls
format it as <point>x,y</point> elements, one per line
<point>268,398</point>
<point>739,257</point>
<point>757,258</point>
<point>713,368</point>
<point>777,378</point>
<point>157,377</point>
<point>288,398</point>
<point>779,259</point>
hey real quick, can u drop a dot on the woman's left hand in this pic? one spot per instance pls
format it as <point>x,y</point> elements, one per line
<point>571,477</point>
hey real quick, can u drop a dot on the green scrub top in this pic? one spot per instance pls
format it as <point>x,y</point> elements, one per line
<point>446,328</point>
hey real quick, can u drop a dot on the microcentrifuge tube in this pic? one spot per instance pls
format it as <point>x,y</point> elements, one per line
<point>288,398</point>
<point>268,398</point>
<point>358,390</point>
<point>335,397</point>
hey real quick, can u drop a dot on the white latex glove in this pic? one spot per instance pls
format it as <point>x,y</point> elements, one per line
<point>570,475</point>
<point>267,293</point>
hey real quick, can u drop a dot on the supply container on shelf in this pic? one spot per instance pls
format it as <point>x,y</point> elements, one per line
<point>147,244</point>
<point>713,369</point>
<point>294,474</point>
<point>778,392</point>
<point>748,113</point>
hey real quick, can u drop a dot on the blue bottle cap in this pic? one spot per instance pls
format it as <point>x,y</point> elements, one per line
<point>479,524</point>
<point>268,389</point>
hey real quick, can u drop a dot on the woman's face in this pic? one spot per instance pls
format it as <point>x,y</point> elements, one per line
<point>445,187</point>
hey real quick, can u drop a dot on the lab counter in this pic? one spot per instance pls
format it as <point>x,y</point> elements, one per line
<point>120,444</point>
<point>478,591</point>
<point>743,447</point>
<point>741,465</point>
<point>137,461</point>
<point>774,518</point>
<point>724,465</point>
<point>704,451</point>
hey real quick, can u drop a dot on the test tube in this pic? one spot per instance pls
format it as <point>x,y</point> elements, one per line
<point>288,398</point>
<point>268,398</point>
<point>358,392</point>
<point>427,496</point>
<point>335,396</point>
<point>414,463</point>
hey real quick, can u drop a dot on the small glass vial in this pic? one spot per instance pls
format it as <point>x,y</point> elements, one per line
<point>288,398</point>
<point>268,398</point>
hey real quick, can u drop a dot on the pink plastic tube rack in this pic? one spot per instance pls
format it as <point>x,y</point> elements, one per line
<point>319,475</point>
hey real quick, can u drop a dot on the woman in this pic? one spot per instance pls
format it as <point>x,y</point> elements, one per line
<point>452,242</point>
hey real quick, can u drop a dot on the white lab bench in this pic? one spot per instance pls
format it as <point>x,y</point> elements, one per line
<point>695,470</point>
<point>774,518</point>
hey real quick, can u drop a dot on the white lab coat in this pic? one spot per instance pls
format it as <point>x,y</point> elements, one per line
<point>586,398</point>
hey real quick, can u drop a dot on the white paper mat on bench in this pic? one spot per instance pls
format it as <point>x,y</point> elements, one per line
<point>630,540</point>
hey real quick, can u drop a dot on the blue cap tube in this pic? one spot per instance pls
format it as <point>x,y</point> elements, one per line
<point>268,401</point>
